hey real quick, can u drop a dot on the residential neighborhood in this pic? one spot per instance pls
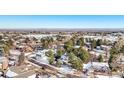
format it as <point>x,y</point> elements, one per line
<point>61,54</point>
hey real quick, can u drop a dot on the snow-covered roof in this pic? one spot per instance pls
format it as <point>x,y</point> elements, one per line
<point>95,64</point>
<point>11,74</point>
<point>14,52</point>
<point>76,46</point>
<point>104,46</point>
<point>100,64</point>
<point>96,53</point>
<point>12,62</point>
<point>26,54</point>
<point>99,51</point>
<point>88,43</point>
<point>21,46</point>
<point>39,36</point>
<point>109,37</point>
<point>13,57</point>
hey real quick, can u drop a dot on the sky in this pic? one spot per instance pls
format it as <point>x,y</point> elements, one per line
<point>61,21</point>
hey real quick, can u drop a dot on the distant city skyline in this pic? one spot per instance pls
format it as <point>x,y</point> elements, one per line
<point>61,21</point>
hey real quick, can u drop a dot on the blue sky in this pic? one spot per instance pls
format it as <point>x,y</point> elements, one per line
<point>61,21</point>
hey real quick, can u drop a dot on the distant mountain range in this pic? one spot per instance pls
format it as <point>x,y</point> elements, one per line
<point>67,30</point>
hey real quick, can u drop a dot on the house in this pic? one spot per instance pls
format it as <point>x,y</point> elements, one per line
<point>12,60</point>
<point>13,57</point>
<point>105,48</point>
<point>14,52</point>
<point>38,48</point>
<point>10,74</point>
<point>96,66</point>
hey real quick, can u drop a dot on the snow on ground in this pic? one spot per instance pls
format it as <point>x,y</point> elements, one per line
<point>66,69</point>
<point>32,76</point>
<point>64,58</point>
<point>109,37</point>
<point>39,36</point>
<point>101,76</point>
<point>43,59</point>
<point>63,68</point>
<point>61,75</point>
<point>87,66</point>
<point>40,56</point>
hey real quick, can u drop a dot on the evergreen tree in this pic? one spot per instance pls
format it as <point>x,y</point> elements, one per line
<point>50,55</point>
<point>99,42</point>
<point>80,41</point>
<point>93,44</point>
<point>100,58</point>
<point>122,49</point>
<point>68,46</point>
<point>59,63</point>
<point>84,55</point>
<point>114,51</point>
<point>59,52</point>
<point>75,62</point>
<point>1,37</point>
<point>51,59</point>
